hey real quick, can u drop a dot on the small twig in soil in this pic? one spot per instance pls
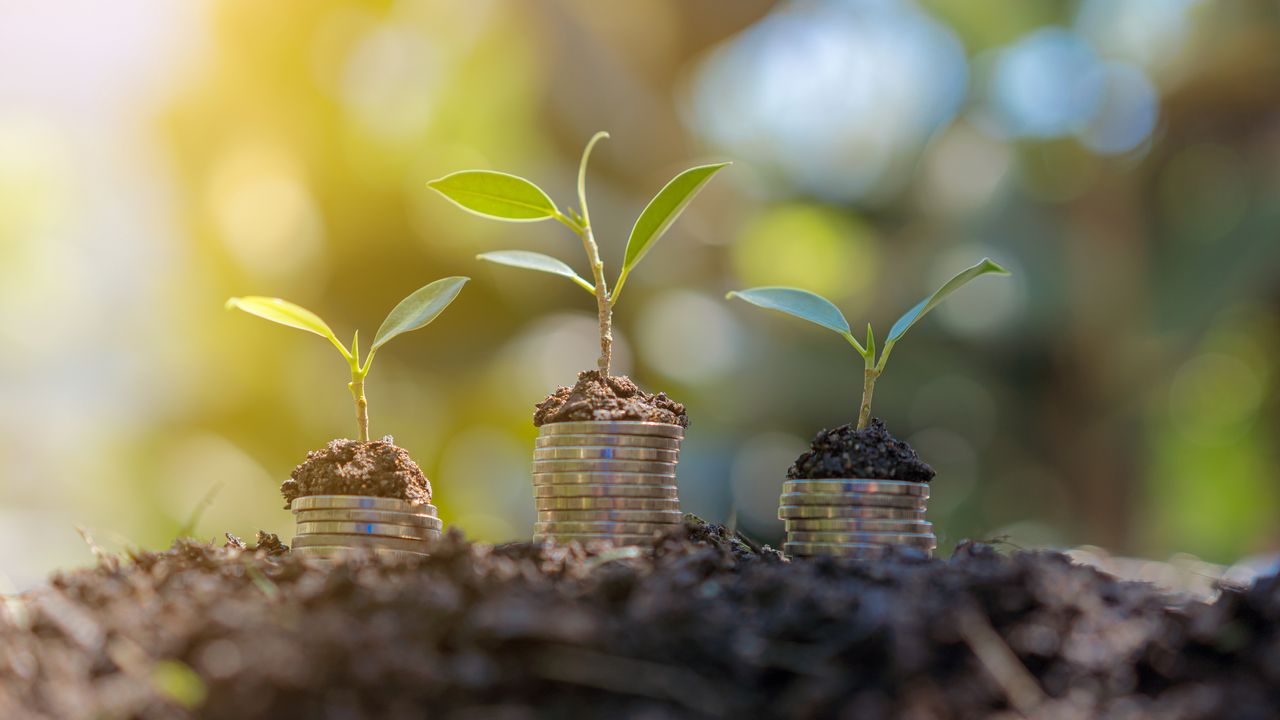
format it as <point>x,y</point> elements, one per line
<point>630,676</point>
<point>1019,685</point>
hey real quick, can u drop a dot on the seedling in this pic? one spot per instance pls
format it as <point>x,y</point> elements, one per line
<point>417,310</point>
<point>817,309</point>
<point>507,197</point>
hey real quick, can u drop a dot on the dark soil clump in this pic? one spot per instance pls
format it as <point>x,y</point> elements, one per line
<point>691,626</point>
<point>613,398</point>
<point>349,467</point>
<point>871,453</point>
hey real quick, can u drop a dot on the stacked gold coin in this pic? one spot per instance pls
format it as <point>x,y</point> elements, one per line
<point>604,480</point>
<point>329,525</point>
<point>859,518</point>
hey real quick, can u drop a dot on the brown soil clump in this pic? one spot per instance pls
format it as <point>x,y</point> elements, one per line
<point>613,398</point>
<point>349,467</point>
<point>871,453</point>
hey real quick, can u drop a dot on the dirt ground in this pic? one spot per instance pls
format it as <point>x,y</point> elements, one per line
<point>698,624</point>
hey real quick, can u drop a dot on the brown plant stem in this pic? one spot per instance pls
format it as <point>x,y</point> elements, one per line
<point>868,389</point>
<point>604,307</point>
<point>362,407</point>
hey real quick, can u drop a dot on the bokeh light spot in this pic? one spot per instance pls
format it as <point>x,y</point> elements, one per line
<point>807,246</point>
<point>265,214</point>
<point>688,336</point>
<point>1213,397</point>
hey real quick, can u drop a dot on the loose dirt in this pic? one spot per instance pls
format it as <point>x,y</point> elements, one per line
<point>699,624</point>
<point>870,453</point>
<point>613,398</point>
<point>350,467</point>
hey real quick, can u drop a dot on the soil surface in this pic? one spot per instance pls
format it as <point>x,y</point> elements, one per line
<point>616,397</point>
<point>350,467</point>
<point>871,453</point>
<point>697,625</point>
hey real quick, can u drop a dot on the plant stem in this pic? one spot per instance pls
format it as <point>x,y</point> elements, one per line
<point>604,307</point>
<point>869,376</point>
<point>362,406</point>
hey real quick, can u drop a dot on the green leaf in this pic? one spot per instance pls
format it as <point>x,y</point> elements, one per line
<point>285,313</point>
<point>419,309</point>
<point>496,195</point>
<point>800,303</point>
<point>914,314</point>
<point>663,210</point>
<point>535,261</point>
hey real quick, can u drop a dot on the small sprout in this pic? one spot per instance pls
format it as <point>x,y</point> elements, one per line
<point>818,310</point>
<point>418,310</point>
<point>501,196</point>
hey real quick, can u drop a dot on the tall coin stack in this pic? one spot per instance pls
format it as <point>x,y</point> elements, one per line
<point>858,518</point>
<point>329,525</point>
<point>605,480</point>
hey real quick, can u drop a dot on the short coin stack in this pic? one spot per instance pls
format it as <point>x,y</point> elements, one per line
<point>329,525</point>
<point>858,518</point>
<point>606,480</point>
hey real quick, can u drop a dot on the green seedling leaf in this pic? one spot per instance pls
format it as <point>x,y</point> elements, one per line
<point>536,261</point>
<point>496,195</point>
<point>419,309</point>
<point>799,303</point>
<point>286,313</point>
<point>905,322</point>
<point>663,210</point>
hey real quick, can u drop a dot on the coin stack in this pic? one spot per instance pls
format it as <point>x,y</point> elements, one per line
<point>604,480</point>
<point>329,525</point>
<point>858,518</point>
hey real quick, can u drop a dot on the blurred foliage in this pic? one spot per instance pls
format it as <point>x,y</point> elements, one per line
<point>1120,158</point>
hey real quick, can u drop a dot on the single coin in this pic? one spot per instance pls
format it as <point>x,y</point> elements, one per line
<point>859,525</point>
<point>606,453</point>
<point>802,536</point>
<point>358,502</point>
<point>604,465</point>
<point>358,528</point>
<point>334,552</point>
<point>611,427</point>
<point>605,503</point>
<point>864,551</point>
<point>791,512</point>
<point>602,528</point>
<point>584,538</point>
<point>600,439</point>
<point>603,479</point>
<point>876,487</point>
<point>377,541</point>
<point>643,516</point>
<point>635,491</point>
<point>378,516</point>
<point>855,499</point>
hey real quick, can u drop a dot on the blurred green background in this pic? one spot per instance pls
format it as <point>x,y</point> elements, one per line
<point>1122,158</point>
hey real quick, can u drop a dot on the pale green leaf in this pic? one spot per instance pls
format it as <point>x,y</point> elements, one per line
<point>285,313</point>
<point>496,195</point>
<point>663,210</point>
<point>419,309</point>
<point>535,261</point>
<point>905,322</point>
<point>799,303</point>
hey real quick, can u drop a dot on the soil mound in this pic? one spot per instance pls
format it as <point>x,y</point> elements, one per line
<point>616,397</point>
<point>350,467</point>
<point>681,628</point>
<point>871,453</point>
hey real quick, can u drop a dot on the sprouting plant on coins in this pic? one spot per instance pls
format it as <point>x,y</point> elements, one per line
<point>415,311</point>
<point>502,196</point>
<point>820,311</point>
